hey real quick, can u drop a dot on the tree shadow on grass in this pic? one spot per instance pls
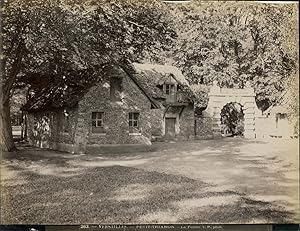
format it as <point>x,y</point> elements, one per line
<point>244,210</point>
<point>119,194</point>
<point>116,194</point>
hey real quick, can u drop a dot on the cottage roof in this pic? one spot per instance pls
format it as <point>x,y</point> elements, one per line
<point>152,76</point>
<point>52,95</point>
<point>162,71</point>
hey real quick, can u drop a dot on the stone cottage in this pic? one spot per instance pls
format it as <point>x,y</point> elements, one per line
<point>130,106</point>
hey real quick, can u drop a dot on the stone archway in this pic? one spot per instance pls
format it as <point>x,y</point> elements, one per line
<point>219,97</point>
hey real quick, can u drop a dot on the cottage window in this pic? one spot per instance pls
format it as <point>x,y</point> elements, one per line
<point>97,119</point>
<point>134,119</point>
<point>115,89</point>
<point>170,89</point>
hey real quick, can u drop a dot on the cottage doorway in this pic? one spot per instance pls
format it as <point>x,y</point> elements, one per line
<point>232,120</point>
<point>170,128</point>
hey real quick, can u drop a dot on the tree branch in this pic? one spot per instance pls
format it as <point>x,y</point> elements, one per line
<point>136,24</point>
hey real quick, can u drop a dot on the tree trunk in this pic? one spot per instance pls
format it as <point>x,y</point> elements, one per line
<point>25,126</point>
<point>6,137</point>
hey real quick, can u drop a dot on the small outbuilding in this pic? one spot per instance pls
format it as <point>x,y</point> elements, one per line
<point>278,121</point>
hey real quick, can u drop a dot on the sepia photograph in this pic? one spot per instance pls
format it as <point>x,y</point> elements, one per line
<point>149,112</point>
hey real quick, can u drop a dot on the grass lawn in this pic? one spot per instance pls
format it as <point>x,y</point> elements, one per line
<point>214,181</point>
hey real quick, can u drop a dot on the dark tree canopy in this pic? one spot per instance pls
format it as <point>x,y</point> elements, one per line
<point>58,36</point>
<point>77,34</point>
<point>232,119</point>
<point>50,39</point>
<point>238,41</point>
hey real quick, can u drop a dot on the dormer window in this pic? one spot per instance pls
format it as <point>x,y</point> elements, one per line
<point>170,89</point>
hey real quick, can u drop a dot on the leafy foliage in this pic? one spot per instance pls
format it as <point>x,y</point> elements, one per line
<point>236,42</point>
<point>60,36</point>
<point>230,42</point>
<point>232,119</point>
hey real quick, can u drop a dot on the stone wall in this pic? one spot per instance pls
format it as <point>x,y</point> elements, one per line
<point>219,97</point>
<point>184,126</point>
<point>157,124</point>
<point>186,123</point>
<point>265,126</point>
<point>203,127</point>
<point>38,130</point>
<point>116,114</point>
<point>46,129</point>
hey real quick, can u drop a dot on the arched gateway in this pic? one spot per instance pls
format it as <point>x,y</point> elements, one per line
<point>219,97</point>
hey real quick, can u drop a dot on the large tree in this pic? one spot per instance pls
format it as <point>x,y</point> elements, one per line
<point>51,38</point>
<point>235,42</point>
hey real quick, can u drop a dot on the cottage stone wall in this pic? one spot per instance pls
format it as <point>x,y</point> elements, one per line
<point>203,127</point>
<point>46,129</point>
<point>157,123</point>
<point>186,123</point>
<point>116,114</point>
<point>184,126</point>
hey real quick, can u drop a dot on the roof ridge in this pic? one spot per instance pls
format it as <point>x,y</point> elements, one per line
<point>156,105</point>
